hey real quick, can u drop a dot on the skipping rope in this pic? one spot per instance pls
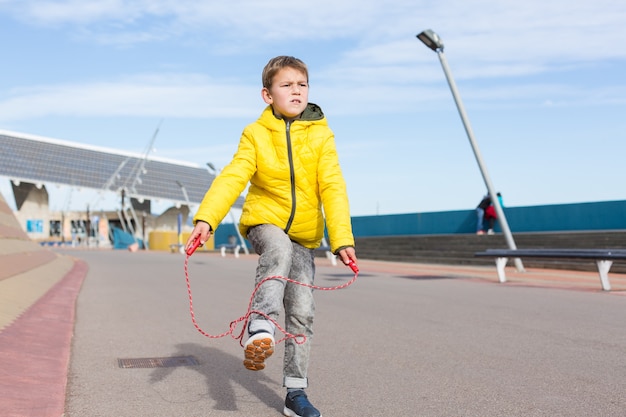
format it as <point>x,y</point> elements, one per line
<point>299,338</point>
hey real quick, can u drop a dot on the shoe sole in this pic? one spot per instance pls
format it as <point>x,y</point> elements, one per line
<point>290,413</point>
<point>256,351</point>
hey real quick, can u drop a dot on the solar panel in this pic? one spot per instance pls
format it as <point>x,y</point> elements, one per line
<point>41,160</point>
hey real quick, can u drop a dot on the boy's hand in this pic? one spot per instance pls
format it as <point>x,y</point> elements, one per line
<point>201,231</point>
<point>348,255</point>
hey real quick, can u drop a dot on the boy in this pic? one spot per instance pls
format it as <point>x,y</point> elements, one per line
<point>288,155</point>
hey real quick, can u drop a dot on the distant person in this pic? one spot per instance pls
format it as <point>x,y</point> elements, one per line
<point>480,214</point>
<point>289,157</point>
<point>490,217</point>
<point>490,214</point>
<point>500,200</point>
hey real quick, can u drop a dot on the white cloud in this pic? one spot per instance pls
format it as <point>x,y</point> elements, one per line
<point>562,61</point>
<point>578,25</point>
<point>181,95</point>
<point>479,33</point>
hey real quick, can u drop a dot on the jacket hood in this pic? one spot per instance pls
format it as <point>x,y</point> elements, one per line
<point>311,113</point>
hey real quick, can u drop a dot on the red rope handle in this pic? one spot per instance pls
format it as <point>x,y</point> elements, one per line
<point>299,339</point>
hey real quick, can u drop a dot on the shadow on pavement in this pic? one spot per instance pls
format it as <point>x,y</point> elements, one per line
<point>221,372</point>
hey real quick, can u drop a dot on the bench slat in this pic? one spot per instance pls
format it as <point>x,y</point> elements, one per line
<point>555,253</point>
<point>603,257</point>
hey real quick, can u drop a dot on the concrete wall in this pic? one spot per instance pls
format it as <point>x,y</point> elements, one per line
<point>33,212</point>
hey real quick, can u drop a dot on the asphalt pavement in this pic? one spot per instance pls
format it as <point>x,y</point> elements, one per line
<point>403,340</point>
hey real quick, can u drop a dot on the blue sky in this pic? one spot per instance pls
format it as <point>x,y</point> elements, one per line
<point>543,84</point>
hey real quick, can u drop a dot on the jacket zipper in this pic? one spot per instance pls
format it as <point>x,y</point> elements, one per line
<point>292,177</point>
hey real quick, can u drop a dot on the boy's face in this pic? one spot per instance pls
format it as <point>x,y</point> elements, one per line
<point>288,94</point>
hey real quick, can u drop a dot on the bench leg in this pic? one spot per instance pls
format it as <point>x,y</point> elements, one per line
<point>500,264</point>
<point>331,257</point>
<point>603,268</point>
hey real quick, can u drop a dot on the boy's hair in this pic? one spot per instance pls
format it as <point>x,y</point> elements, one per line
<point>280,62</point>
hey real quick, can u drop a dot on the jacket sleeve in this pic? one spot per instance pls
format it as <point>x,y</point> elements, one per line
<point>334,196</point>
<point>229,184</point>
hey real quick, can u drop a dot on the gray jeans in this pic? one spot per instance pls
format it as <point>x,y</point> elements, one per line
<point>280,256</point>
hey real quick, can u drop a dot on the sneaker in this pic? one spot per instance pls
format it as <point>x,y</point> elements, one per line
<point>257,348</point>
<point>480,232</point>
<point>298,405</point>
<point>490,232</point>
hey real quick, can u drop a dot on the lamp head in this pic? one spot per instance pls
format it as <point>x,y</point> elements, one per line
<point>431,39</point>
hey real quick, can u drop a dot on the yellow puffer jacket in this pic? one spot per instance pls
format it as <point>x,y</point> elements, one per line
<point>293,170</point>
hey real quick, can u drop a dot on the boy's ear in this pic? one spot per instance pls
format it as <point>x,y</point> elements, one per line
<point>267,97</point>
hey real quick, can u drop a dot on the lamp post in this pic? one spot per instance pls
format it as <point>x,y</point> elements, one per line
<point>184,191</point>
<point>179,220</point>
<point>215,171</point>
<point>434,42</point>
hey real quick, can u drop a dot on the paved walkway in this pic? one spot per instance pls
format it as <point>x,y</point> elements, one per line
<point>405,339</point>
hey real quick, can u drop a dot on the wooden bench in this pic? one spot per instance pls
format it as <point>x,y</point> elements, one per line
<point>325,247</point>
<point>329,255</point>
<point>603,257</point>
<point>177,248</point>
<point>230,246</point>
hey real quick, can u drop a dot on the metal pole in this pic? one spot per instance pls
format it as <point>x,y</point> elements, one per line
<point>179,218</point>
<point>483,169</point>
<point>182,188</point>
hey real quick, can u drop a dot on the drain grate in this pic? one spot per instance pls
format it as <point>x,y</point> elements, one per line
<point>157,362</point>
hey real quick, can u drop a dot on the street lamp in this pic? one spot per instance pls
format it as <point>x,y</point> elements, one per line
<point>434,42</point>
<point>431,39</point>
<point>215,171</point>
<point>184,191</point>
<point>180,217</point>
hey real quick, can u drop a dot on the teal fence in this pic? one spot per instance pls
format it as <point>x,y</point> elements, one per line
<point>607,215</point>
